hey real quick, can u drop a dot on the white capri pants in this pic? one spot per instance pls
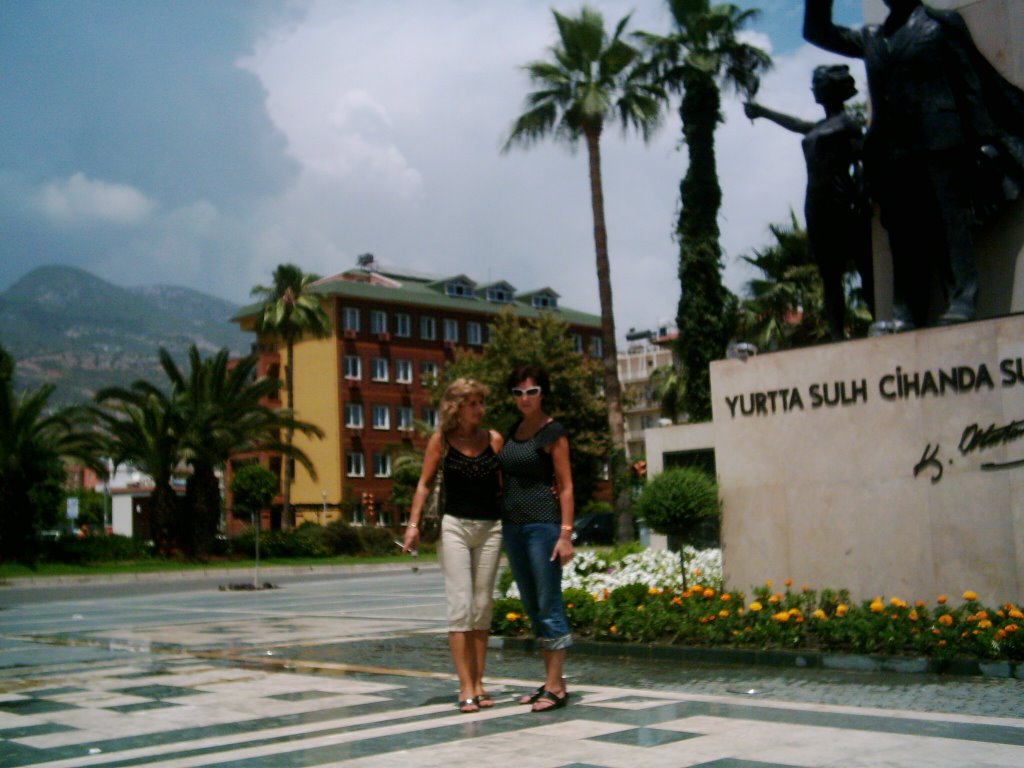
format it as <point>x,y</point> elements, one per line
<point>469,551</point>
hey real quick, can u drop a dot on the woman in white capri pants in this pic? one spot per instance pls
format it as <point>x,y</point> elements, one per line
<point>470,543</point>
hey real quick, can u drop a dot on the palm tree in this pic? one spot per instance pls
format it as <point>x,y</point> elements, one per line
<point>669,385</point>
<point>32,444</point>
<point>142,426</point>
<point>590,79</point>
<point>290,311</point>
<point>222,412</point>
<point>701,52</point>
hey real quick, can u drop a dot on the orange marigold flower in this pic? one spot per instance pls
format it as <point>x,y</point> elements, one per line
<point>984,624</point>
<point>804,588</point>
<point>788,582</point>
<point>677,601</point>
<point>1000,634</point>
<point>819,614</point>
<point>775,598</point>
<point>919,604</point>
<point>942,643</point>
<point>782,616</point>
<point>912,615</point>
<point>970,595</point>
<point>936,632</point>
<point>755,606</point>
<point>1010,628</point>
<point>613,629</point>
<point>697,571</point>
<point>568,605</point>
<point>946,620</point>
<point>653,591</point>
<point>799,619</point>
<point>877,606</point>
<point>709,592</point>
<point>941,599</point>
<point>897,603</point>
<point>511,616</point>
<point>841,610</point>
<point>794,611</point>
<point>768,583</point>
<point>726,597</point>
<point>723,613</point>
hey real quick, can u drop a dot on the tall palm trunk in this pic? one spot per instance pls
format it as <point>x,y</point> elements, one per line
<point>704,326</point>
<point>609,359</point>
<point>287,519</point>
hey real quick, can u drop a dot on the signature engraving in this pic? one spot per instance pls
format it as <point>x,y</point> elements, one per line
<point>930,461</point>
<point>975,439</point>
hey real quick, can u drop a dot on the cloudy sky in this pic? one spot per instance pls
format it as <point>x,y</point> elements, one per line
<point>201,143</point>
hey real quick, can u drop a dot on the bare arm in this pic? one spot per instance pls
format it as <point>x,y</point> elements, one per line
<point>563,480</point>
<point>431,464</point>
<point>820,31</point>
<point>790,123</point>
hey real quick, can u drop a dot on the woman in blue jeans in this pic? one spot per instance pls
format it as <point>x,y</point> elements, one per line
<point>537,525</point>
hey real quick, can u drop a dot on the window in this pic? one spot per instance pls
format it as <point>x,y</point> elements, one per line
<point>403,371</point>
<point>428,373</point>
<point>403,325</point>
<point>381,465</point>
<point>381,417</point>
<point>404,415</point>
<point>473,334</point>
<point>350,319</point>
<point>354,466</point>
<point>353,367</point>
<point>499,295</point>
<point>358,517</point>
<point>595,346</point>
<point>544,301</point>
<point>458,288</point>
<point>430,416</point>
<point>379,369</point>
<point>577,343</point>
<point>378,321</point>
<point>451,330</point>
<point>428,328</point>
<point>647,421</point>
<point>354,415</point>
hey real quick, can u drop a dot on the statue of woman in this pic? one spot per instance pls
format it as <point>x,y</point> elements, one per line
<point>835,206</point>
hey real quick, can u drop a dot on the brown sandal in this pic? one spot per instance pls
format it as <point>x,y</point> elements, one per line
<point>530,698</point>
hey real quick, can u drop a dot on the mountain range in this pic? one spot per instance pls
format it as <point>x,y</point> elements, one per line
<point>65,326</point>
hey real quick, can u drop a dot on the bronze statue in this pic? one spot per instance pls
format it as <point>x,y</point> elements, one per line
<point>835,206</point>
<point>945,145</point>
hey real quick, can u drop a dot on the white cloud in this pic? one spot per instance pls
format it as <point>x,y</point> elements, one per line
<point>81,199</point>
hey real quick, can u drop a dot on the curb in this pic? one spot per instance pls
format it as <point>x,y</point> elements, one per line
<point>209,573</point>
<point>782,658</point>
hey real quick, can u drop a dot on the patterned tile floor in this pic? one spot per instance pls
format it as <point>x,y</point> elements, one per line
<point>354,673</point>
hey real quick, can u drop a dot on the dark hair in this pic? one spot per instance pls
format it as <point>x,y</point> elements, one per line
<point>524,372</point>
<point>835,79</point>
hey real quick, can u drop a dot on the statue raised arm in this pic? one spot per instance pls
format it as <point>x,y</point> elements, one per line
<point>835,206</point>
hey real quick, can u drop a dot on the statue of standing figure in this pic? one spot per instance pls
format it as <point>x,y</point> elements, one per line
<point>945,146</point>
<point>835,206</point>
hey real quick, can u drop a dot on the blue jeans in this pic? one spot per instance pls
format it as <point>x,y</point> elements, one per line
<point>529,546</point>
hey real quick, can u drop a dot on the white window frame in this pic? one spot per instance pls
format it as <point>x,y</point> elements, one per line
<point>428,328</point>
<point>381,423</point>
<point>379,369</point>
<point>381,464</point>
<point>474,333</point>
<point>353,367</point>
<point>404,418</point>
<point>451,330</point>
<point>350,319</point>
<point>354,415</point>
<point>355,464</point>
<point>499,296</point>
<point>428,372</point>
<point>378,321</point>
<point>403,371</point>
<point>458,289</point>
<point>429,416</point>
<point>403,325</point>
<point>596,346</point>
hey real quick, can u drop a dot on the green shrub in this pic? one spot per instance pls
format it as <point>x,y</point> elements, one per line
<point>342,538</point>
<point>681,502</point>
<point>308,540</point>
<point>94,549</point>
<point>377,542</point>
<point>594,507</point>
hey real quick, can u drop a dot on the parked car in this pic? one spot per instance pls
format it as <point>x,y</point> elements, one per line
<point>595,528</point>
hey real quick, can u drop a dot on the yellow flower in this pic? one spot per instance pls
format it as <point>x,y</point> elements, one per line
<point>970,595</point>
<point>653,591</point>
<point>912,615</point>
<point>794,611</point>
<point>895,602</point>
<point>877,606</point>
<point>841,610</point>
<point>782,616</point>
<point>1015,614</point>
<point>819,614</point>
<point>723,613</point>
<point>755,606</point>
<point>768,583</point>
<point>984,624</point>
<point>613,629</point>
<point>512,616</point>
<point>640,608</point>
<point>946,620</point>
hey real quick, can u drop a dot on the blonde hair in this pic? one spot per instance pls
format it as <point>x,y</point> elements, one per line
<point>458,392</point>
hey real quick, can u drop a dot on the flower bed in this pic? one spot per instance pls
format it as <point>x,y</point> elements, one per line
<point>644,598</point>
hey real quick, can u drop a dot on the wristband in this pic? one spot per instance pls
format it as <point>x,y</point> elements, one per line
<point>411,525</point>
<point>566,527</point>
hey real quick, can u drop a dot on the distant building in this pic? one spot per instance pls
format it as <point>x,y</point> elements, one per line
<point>366,385</point>
<point>645,352</point>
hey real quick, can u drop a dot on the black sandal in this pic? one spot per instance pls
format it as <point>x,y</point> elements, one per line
<point>465,704</point>
<point>484,701</point>
<point>557,702</point>
<point>530,698</point>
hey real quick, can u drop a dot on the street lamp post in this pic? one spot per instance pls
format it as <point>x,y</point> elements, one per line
<point>323,517</point>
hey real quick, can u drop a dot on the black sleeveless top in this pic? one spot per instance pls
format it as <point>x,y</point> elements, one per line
<point>529,474</point>
<point>471,486</point>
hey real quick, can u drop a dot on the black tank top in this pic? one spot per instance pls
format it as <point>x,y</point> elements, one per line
<point>471,485</point>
